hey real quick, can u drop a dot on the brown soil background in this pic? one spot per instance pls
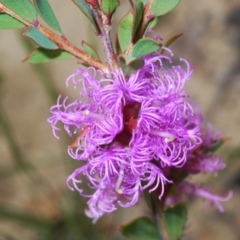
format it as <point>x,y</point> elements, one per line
<point>210,41</point>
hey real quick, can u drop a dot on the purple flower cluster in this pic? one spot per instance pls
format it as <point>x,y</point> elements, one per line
<point>131,131</point>
<point>201,159</point>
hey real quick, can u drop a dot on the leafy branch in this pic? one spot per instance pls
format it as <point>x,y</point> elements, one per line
<point>61,42</point>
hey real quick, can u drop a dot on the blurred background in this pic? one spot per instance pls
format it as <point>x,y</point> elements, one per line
<point>35,203</point>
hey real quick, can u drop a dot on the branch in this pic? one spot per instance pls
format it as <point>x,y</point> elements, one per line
<point>61,41</point>
<point>103,21</point>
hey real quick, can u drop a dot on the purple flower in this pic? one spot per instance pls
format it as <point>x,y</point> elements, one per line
<point>186,189</point>
<point>202,159</point>
<point>204,163</point>
<point>131,131</point>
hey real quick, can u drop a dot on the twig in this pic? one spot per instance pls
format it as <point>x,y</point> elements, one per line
<point>61,41</point>
<point>157,210</point>
<point>103,23</point>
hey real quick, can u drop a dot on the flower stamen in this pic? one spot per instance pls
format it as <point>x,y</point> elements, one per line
<point>119,182</point>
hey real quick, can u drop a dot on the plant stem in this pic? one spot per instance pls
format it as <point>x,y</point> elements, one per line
<point>157,210</point>
<point>103,23</point>
<point>61,41</point>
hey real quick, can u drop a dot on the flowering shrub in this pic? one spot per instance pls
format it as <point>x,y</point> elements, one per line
<point>133,132</point>
<point>136,130</point>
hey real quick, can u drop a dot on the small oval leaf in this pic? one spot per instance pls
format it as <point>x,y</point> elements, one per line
<point>41,55</point>
<point>133,2</point>
<point>216,145</point>
<point>8,22</point>
<point>170,41</point>
<point>23,8</point>
<point>39,38</point>
<point>129,66</point>
<point>125,30</point>
<point>153,23</point>
<point>45,11</point>
<point>174,220</point>
<point>173,39</point>
<point>143,47</point>
<point>127,58</point>
<point>144,1</point>
<point>117,46</point>
<point>142,229</point>
<point>138,13</point>
<point>88,49</point>
<point>161,7</point>
<point>109,6</point>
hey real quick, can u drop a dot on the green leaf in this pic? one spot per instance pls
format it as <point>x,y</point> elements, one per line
<point>170,41</point>
<point>144,46</point>
<point>153,23</point>
<point>23,8</point>
<point>41,55</point>
<point>88,49</point>
<point>39,38</point>
<point>125,29</point>
<point>215,146</point>
<point>138,13</point>
<point>161,7</point>
<point>142,229</point>
<point>43,73</point>
<point>173,39</point>
<point>117,46</point>
<point>133,2</point>
<point>45,11</point>
<point>130,65</point>
<point>127,58</point>
<point>109,6</point>
<point>85,9</point>
<point>7,21</point>
<point>174,220</point>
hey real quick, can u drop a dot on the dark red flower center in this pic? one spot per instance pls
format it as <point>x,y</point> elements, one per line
<point>130,118</point>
